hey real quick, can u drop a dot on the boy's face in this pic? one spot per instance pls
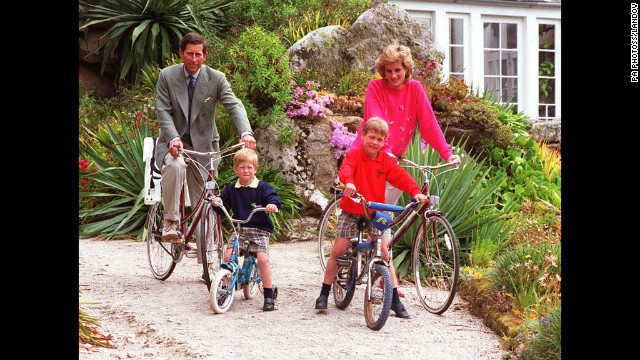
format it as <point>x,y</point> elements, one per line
<point>372,142</point>
<point>245,171</point>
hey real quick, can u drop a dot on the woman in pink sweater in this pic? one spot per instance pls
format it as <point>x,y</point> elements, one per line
<point>401,101</point>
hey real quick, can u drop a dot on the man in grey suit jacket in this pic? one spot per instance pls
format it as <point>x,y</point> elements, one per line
<point>191,124</point>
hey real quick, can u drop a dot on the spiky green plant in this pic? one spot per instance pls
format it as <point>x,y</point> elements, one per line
<point>148,31</point>
<point>464,199</point>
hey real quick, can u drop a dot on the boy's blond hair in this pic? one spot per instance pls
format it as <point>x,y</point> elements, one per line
<point>376,124</point>
<point>245,155</point>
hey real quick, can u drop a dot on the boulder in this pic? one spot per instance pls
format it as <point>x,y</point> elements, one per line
<point>332,51</point>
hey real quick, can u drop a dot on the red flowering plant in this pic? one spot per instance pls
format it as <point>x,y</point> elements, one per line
<point>443,95</point>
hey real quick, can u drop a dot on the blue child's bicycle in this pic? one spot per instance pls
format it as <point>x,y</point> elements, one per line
<point>232,276</point>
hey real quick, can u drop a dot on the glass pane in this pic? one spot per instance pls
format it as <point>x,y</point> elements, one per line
<point>492,62</point>
<point>509,62</point>
<point>547,93</point>
<point>546,36</point>
<point>546,61</point>
<point>542,111</point>
<point>510,90</point>
<point>455,31</point>
<point>456,59</point>
<point>551,111</point>
<point>492,88</point>
<point>491,35</point>
<point>509,36</point>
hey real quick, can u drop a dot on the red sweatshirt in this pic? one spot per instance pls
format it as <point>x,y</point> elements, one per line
<point>369,177</point>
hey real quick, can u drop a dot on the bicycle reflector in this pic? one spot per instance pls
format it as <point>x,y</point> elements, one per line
<point>381,220</point>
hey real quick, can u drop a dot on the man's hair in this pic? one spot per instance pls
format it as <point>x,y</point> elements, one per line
<point>193,38</point>
<point>243,155</point>
<point>376,124</point>
<point>393,53</point>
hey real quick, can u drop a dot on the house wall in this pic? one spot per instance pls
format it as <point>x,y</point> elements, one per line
<point>527,16</point>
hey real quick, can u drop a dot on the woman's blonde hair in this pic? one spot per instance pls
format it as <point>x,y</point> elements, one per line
<point>393,53</point>
<point>247,155</point>
<point>376,124</point>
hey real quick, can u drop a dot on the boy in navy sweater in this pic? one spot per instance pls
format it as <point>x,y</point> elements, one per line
<point>248,192</point>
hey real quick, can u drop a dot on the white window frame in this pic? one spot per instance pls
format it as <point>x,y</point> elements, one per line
<point>557,68</point>
<point>465,47</point>
<point>520,77</point>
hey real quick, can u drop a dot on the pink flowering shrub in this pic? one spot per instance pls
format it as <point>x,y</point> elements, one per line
<point>307,103</point>
<point>341,139</point>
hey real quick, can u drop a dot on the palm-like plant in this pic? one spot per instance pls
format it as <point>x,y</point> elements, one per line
<point>465,196</point>
<point>148,31</point>
<point>124,183</point>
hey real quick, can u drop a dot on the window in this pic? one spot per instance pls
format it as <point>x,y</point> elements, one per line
<point>501,61</point>
<point>456,48</point>
<point>546,72</point>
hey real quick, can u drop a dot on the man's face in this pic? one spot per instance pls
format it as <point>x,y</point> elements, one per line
<point>193,57</point>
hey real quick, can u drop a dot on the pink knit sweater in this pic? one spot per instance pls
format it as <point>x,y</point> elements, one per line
<point>400,109</point>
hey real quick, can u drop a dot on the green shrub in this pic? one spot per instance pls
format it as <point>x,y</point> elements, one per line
<point>260,76</point>
<point>493,131</point>
<point>543,339</point>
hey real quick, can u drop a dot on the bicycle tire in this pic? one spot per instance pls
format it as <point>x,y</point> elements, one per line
<point>326,231</point>
<point>436,264</point>
<point>220,297</point>
<point>159,253</point>
<point>377,308</point>
<point>344,286</point>
<point>251,288</point>
<point>210,243</point>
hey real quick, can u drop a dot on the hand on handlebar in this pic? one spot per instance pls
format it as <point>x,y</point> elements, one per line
<point>249,141</point>
<point>271,208</point>
<point>454,158</point>
<point>173,147</point>
<point>349,190</point>
<point>421,198</point>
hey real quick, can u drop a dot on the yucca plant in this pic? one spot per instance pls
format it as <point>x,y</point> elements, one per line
<point>123,182</point>
<point>148,31</point>
<point>464,199</point>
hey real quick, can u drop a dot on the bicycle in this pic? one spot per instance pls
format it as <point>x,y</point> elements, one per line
<point>364,258</point>
<point>164,255</point>
<point>232,276</point>
<point>434,260</point>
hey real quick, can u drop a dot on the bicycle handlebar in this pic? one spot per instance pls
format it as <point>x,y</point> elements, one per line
<point>237,221</point>
<point>209,153</point>
<point>430,167</point>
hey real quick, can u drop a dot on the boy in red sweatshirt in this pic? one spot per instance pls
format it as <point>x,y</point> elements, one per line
<point>367,170</point>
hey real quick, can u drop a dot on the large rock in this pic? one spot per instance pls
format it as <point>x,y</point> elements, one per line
<point>334,50</point>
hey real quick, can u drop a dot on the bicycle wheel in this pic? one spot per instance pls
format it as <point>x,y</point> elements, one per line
<point>159,253</point>
<point>221,295</point>
<point>251,288</point>
<point>327,230</point>
<point>344,286</point>
<point>435,264</point>
<point>210,246</point>
<point>377,308</point>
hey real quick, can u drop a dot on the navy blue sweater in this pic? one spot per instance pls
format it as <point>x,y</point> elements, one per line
<point>242,200</point>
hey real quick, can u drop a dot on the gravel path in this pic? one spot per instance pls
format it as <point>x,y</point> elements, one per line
<point>152,319</point>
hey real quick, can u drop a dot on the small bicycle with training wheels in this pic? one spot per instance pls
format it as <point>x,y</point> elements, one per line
<point>164,255</point>
<point>232,276</point>
<point>434,258</point>
<point>363,259</point>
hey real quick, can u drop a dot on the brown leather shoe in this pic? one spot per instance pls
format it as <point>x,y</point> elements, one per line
<point>170,231</point>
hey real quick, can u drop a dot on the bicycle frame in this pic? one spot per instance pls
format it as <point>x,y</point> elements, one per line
<point>207,193</point>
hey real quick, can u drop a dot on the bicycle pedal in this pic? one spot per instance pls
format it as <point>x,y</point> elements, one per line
<point>191,254</point>
<point>342,260</point>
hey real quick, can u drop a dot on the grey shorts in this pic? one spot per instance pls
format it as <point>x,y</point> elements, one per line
<point>252,240</point>
<point>347,227</point>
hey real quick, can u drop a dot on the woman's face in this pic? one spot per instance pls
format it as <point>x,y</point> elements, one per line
<point>394,74</point>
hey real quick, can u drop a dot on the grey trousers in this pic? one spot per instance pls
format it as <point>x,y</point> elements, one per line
<point>174,173</point>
